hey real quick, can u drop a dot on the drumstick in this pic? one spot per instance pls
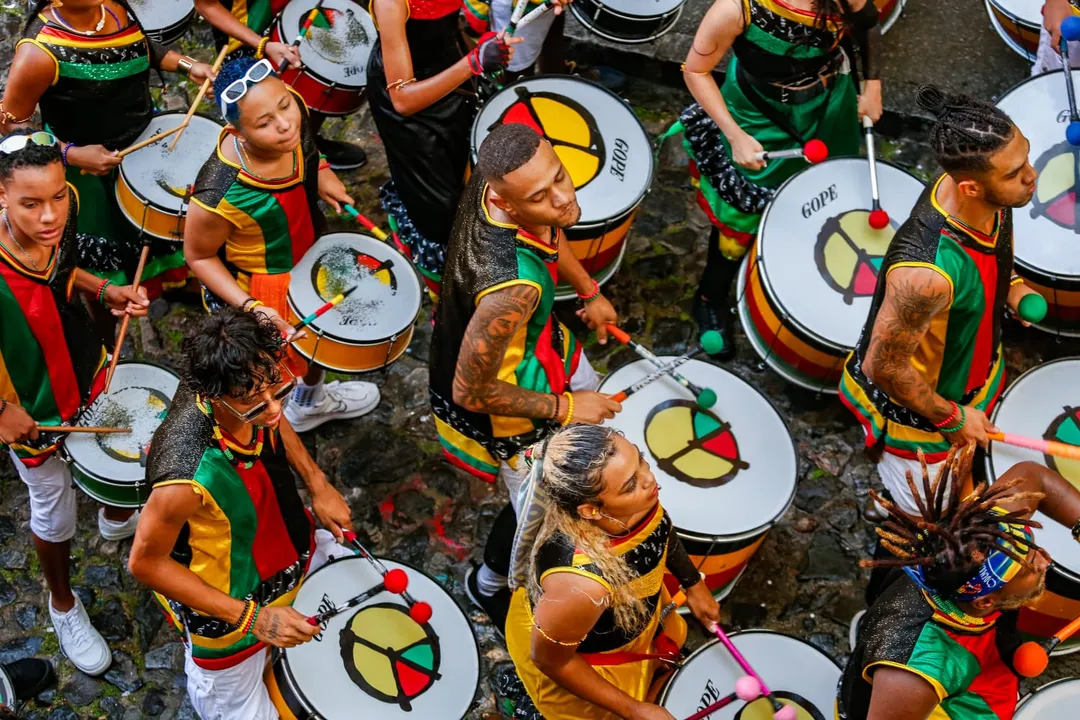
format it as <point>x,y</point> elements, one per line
<point>650,378</point>
<point>706,397</point>
<point>395,581</point>
<point>515,16</point>
<point>419,610</point>
<point>707,711</point>
<point>780,711</point>
<point>96,429</point>
<point>303,31</point>
<point>1047,447</point>
<point>325,308</point>
<point>1070,30</point>
<point>878,217</point>
<point>1032,657</point>
<point>368,225</point>
<point>198,98</point>
<point>148,141</point>
<point>534,14</point>
<point>813,152</point>
<point>127,319</point>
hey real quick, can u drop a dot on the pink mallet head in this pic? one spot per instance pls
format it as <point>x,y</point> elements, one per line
<point>747,688</point>
<point>396,581</point>
<point>788,712</point>
<point>420,612</point>
<point>879,219</point>
<point>816,151</point>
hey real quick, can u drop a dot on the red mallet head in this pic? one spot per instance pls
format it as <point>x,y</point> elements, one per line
<point>879,219</point>
<point>816,151</point>
<point>747,688</point>
<point>420,612</point>
<point>396,581</point>
<point>1030,659</point>
<point>788,712</point>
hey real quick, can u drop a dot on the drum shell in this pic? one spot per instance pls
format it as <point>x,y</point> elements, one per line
<point>599,247</point>
<point>1020,34</point>
<point>145,215</point>
<point>1062,296</point>
<point>332,353</point>
<point>321,95</point>
<point>1058,606</point>
<point>620,27</point>
<point>106,491</point>
<point>172,33</point>
<point>722,560</point>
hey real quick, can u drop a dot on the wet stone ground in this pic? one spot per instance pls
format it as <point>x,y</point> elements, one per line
<point>410,505</point>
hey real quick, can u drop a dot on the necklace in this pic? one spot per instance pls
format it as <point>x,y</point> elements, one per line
<point>11,232</point>
<point>97,28</point>
<point>240,153</point>
<point>260,434</point>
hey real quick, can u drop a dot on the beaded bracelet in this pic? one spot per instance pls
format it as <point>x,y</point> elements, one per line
<point>254,618</point>
<point>591,296</point>
<point>260,51</point>
<point>244,623</point>
<point>101,290</point>
<point>64,152</point>
<point>555,415</point>
<point>952,416</point>
<point>324,164</point>
<point>959,423</point>
<point>569,409</point>
<point>1015,280</point>
<point>246,307</point>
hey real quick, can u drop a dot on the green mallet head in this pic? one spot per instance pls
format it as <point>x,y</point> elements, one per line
<point>1032,308</point>
<point>707,398</point>
<point>713,344</point>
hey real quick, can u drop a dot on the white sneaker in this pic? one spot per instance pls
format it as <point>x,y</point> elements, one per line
<point>340,401</point>
<point>112,530</point>
<point>82,644</point>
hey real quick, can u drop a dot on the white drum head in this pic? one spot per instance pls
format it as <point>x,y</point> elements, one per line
<point>397,668</point>
<point>1059,700</point>
<point>596,135</point>
<point>337,44</point>
<point>1024,10</point>
<point>138,398</point>
<point>387,295</point>
<point>162,177</point>
<point>1043,403</point>
<point>725,471</point>
<point>642,8</point>
<point>1045,230</point>
<point>818,254</point>
<point>161,14</point>
<point>796,672</point>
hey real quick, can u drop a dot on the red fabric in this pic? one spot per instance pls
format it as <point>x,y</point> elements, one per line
<point>983,353</point>
<point>995,683</point>
<point>272,549</point>
<point>294,203</point>
<point>433,9</point>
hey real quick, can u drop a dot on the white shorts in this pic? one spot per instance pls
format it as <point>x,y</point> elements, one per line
<point>238,692</point>
<point>532,35</point>
<point>893,471</point>
<point>52,498</point>
<point>1047,58</point>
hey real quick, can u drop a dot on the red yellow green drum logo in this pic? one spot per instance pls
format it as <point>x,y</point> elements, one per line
<point>693,445</point>
<point>849,253</point>
<point>568,126</point>
<point>1065,428</point>
<point>761,709</point>
<point>1055,188</point>
<point>389,655</point>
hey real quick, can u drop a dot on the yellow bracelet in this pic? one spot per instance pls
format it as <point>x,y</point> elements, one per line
<point>256,304</point>
<point>1015,280</point>
<point>557,642</point>
<point>260,51</point>
<point>569,412</point>
<point>694,72</point>
<point>398,84</point>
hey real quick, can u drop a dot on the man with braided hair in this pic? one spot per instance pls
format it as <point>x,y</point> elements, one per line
<point>940,639</point>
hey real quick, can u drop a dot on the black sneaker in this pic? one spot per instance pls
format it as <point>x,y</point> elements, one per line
<point>341,155</point>
<point>29,677</point>
<point>496,606</point>
<point>708,318</point>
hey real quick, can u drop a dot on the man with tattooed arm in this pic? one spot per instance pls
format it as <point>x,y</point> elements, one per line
<point>504,370</point>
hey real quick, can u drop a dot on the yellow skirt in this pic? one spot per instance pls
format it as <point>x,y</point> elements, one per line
<point>640,679</point>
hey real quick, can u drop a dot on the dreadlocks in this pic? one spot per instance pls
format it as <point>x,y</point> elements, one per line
<point>967,132</point>
<point>952,540</point>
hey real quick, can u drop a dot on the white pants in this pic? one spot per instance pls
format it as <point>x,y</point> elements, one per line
<point>893,471</point>
<point>238,692</point>
<point>1048,59</point>
<point>532,35</point>
<point>52,498</point>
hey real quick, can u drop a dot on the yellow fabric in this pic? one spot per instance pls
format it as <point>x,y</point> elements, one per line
<point>245,248</point>
<point>209,540</point>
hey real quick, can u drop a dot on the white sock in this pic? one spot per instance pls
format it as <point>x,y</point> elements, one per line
<point>309,395</point>
<point>490,582</point>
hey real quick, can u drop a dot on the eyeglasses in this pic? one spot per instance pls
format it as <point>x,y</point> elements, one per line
<point>15,143</point>
<point>238,88</point>
<point>280,395</point>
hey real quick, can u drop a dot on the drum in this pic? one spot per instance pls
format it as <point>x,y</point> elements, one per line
<point>374,661</point>
<point>796,672</point>
<point>1033,406</point>
<point>889,12</point>
<point>806,288</point>
<point>628,21</point>
<point>112,468</point>
<point>153,186</point>
<point>1018,22</point>
<point>164,20</point>
<point>604,148</point>
<point>1058,700</point>
<point>740,447</point>
<point>1044,231</point>
<point>335,53</point>
<point>7,691</point>
<point>374,325</point>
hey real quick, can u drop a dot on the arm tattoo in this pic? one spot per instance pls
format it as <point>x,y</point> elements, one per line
<point>904,319</point>
<point>476,379</point>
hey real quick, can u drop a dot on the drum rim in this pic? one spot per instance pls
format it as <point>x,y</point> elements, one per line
<point>1047,686</point>
<point>279,26</point>
<point>763,274</point>
<point>353,343</point>
<point>988,461</point>
<point>636,18</point>
<point>168,29</point>
<point>663,29</point>
<point>474,147</point>
<point>662,698</point>
<point>283,653</point>
<point>990,4</point>
<point>1043,277</point>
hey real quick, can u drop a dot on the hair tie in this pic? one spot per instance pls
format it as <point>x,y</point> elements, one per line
<point>932,100</point>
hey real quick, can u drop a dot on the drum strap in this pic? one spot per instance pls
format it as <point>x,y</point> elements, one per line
<point>669,653</point>
<point>746,84</point>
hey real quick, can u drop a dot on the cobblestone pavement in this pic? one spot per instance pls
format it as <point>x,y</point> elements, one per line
<point>805,579</point>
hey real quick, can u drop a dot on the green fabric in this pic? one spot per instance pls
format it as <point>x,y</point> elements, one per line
<point>217,476</point>
<point>25,361</point>
<point>778,46</point>
<point>938,656</point>
<point>530,373</point>
<point>109,71</point>
<point>965,312</point>
<point>262,207</point>
<point>467,458</point>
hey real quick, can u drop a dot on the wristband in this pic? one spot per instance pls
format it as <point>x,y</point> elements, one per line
<point>249,304</point>
<point>101,290</point>
<point>64,152</point>
<point>569,409</point>
<point>591,296</point>
<point>260,51</point>
<point>324,164</point>
<point>952,416</point>
<point>1015,280</point>
<point>184,65</point>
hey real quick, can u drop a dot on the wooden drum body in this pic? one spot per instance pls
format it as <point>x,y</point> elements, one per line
<point>1019,23</point>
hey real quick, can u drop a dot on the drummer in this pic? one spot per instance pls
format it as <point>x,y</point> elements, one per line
<point>588,596</point>
<point>1049,54</point>
<point>504,371</point>
<point>225,540</point>
<point>51,365</point>
<point>787,82</point>
<point>939,642</point>
<point>928,367</point>
<point>257,197</point>
<point>86,65</point>
<point>245,23</point>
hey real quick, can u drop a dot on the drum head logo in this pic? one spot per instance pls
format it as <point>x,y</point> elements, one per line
<point>693,445</point>
<point>1055,188</point>
<point>140,408</point>
<point>341,268</point>
<point>849,253</point>
<point>334,34</point>
<point>761,709</point>
<point>389,655</point>
<point>1065,428</point>
<point>569,127</point>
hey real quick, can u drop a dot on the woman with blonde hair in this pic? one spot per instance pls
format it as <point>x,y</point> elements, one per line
<point>586,628</point>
